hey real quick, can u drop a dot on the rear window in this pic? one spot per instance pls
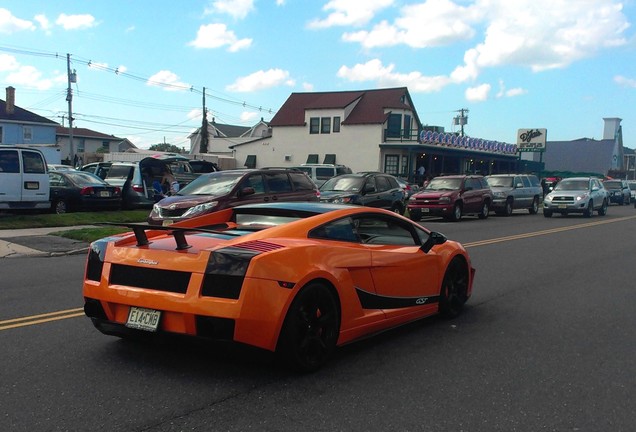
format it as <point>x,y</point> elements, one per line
<point>9,161</point>
<point>324,173</point>
<point>33,163</point>
<point>301,182</point>
<point>119,171</point>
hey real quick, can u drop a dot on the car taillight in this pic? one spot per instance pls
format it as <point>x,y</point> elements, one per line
<point>117,191</point>
<point>318,194</point>
<point>87,191</point>
<point>138,188</point>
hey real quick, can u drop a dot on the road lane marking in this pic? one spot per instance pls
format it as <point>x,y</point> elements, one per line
<point>41,318</point>
<point>77,312</point>
<point>544,232</point>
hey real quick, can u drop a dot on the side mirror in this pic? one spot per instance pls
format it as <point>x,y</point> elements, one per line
<point>246,191</point>
<point>434,238</point>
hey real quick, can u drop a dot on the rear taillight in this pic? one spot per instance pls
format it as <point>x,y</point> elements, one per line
<point>87,191</point>
<point>117,191</point>
<point>95,260</point>
<point>138,188</point>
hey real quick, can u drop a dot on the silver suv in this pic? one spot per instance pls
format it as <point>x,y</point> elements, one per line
<point>577,195</point>
<point>515,191</point>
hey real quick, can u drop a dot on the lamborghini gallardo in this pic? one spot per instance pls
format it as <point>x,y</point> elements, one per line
<point>298,279</point>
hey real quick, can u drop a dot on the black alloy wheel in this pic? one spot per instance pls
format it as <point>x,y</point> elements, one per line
<point>454,292</point>
<point>60,207</point>
<point>311,328</point>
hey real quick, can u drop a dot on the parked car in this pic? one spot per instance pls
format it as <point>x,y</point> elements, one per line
<point>200,166</point>
<point>137,180</point>
<point>371,189</point>
<point>409,188</point>
<point>619,191</point>
<point>60,167</point>
<point>632,190</point>
<point>452,197</point>
<point>100,169</point>
<point>320,173</point>
<point>24,181</point>
<point>73,190</point>
<point>298,279</point>
<point>219,190</point>
<point>577,195</point>
<point>515,191</point>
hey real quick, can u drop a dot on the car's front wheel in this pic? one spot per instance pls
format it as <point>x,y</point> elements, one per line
<point>535,206</point>
<point>454,292</point>
<point>457,212</point>
<point>310,330</point>
<point>485,210</point>
<point>590,208</point>
<point>603,210</point>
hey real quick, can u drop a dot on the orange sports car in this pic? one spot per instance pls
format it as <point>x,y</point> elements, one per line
<point>295,278</point>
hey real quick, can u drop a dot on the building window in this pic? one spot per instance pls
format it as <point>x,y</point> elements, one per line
<point>0,134</point>
<point>314,125</point>
<point>407,126</point>
<point>27,133</point>
<point>405,166</point>
<point>394,125</point>
<point>336,124</point>
<point>105,146</point>
<point>325,125</point>
<point>250,162</point>
<point>391,164</point>
<point>81,146</point>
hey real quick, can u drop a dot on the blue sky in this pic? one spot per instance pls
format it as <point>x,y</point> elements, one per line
<point>141,66</point>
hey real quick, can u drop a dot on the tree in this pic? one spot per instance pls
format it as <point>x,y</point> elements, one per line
<point>165,147</point>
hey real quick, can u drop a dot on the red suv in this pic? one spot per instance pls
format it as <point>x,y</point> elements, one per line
<point>452,197</point>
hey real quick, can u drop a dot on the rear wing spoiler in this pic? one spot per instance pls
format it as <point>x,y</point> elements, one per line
<point>139,229</point>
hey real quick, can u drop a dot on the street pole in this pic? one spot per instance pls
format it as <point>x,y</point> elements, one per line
<point>69,99</point>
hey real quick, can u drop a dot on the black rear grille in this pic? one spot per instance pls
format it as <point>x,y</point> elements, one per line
<point>150,278</point>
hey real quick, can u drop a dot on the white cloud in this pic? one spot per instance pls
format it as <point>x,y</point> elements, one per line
<point>618,79</point>
<point>429,24</point>
<point>477,94</point>
<point>248,116</point>
<point>11,24</point>
<point>503,92</point>
<point>238,9</point>
<point>350,12</point>
<point>217,36</point>
<point>195,114</point>
<point>29,76</point>
<point>8,63</point>
<point>44,22</point>
<point>261,80</point>
<point>308,87</point>
<point>168,80</point>
<point>75,22</point>
<point>374,70</point>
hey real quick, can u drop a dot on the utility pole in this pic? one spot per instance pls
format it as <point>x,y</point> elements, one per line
<point>69,98</point>
<point>461,120</point>
<point>203,148</point>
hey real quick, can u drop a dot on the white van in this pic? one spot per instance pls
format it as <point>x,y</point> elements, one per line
<point>24,180</point>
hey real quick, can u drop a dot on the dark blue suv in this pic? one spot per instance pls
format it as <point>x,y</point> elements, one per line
<point>369,189</point>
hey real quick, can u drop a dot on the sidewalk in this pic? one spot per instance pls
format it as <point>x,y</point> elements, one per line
<point>38,242</point>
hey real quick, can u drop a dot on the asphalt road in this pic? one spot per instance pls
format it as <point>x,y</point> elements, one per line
<point>546,343</point>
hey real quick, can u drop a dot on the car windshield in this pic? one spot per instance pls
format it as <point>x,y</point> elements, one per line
<point>613,185</point>
<point>351,184</point>
<point>632,186</point>
<point>572,185</point>
<point>216,183</point>
<point>444,184</point>
<point>500,181</point>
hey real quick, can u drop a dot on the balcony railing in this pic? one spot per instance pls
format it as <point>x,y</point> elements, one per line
<point>400,135</point>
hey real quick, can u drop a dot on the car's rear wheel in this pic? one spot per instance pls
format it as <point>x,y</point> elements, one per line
<point>603,210</point>
<point>590,208</point>
<point>535,206</point>
<point>454,292</point>
<point>310,330</point>
<point>60,206</point>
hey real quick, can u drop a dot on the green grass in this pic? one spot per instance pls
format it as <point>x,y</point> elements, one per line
<point>26,220</point>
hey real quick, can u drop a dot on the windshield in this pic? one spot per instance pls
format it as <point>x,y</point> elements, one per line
<point>82,178</point>
<point>353,184</point>
<point>444,184</point>
<point>216,183</point>
<point>500,181</point>
<point>572,185</point>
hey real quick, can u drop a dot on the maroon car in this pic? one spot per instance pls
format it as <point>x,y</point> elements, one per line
<point>452,197</point>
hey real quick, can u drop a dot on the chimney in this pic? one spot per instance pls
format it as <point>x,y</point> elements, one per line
<point>10,102</point>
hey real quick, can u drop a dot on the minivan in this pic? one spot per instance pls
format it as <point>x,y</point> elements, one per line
<point>24,180</point>
<point>222,189</point>
<point>320,173</point>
